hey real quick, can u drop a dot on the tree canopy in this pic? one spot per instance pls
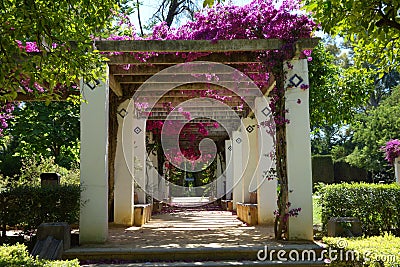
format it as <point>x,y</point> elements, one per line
<point>373,27</point>
<point>372,130</point>
<point>58,35</point>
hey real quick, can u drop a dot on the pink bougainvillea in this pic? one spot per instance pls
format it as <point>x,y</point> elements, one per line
<point>392,150</point>
<point>5,114</point>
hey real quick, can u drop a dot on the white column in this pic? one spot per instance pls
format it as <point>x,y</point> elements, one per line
<point>397,169</point>
<point>299,149</point>
<point>228,169</point>
<point>220,176</point>
<point>266,180</point>
<point>93,223</point>
<point>123,181</point>
<point>237,144</point>
<point>139,158</point>
<point>250,157</point>
<point>154,181</point>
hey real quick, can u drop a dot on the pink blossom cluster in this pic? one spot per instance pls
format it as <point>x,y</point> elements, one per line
<point>5,115</point>
<point>189,155</point>
<point>392,150</point>
<point>30,47</point>
<point>260,19</point>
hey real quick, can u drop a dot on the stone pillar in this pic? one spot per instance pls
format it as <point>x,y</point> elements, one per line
<point>123,181</point>
<point>299,149</point>
<point>139,158</point>
<point>228,169</point>
<point>250,158</point>
<point>237,143</point>
<point>93,222</point>
<point>154,182</point>
<point>266,179</point>
<point>220,176</point>
<point>397,169</point>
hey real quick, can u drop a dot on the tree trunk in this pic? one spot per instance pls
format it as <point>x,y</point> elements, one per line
<point>282,218</point>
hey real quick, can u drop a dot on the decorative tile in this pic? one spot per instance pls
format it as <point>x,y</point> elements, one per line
<point>137,130</point>
<point>238,140</point>
<point>250,128</point>
<point>296,80</point>
<point>93,85</point>
<point>230,148</point>
<point>122,113</point>
<point>266,111</point>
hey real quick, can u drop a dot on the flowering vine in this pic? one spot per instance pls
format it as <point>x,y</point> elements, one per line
<point>392,150</point>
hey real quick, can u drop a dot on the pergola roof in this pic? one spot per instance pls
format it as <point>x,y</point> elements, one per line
<point>125,81</point>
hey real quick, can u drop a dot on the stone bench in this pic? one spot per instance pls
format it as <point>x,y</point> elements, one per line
<point>247,213</point>
<point>227,205</point>
<point>157,206</point>
<point>52,240</point>
<point>142,214</point>
<point>344,227</point>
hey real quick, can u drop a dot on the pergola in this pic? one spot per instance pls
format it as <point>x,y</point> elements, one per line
<point>106,144</point>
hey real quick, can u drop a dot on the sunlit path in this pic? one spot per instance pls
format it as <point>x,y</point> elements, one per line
<point>189,228</point>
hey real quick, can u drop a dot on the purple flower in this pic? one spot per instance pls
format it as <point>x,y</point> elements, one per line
<point>392,150</point>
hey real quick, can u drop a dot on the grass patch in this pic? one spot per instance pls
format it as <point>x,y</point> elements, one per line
<point>317,210</point>
<point>370,251</point>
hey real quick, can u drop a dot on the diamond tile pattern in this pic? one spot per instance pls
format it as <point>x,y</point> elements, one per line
<point>122,113</point>
<point>230,148</point>
<point>93,85</point>
<point>266,111</point>
<point>295,80</point>
<point>249,129</point>
<point>137,130</point>
<point>238,140</point>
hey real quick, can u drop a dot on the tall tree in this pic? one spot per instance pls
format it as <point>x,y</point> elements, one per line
<point>44,130</point>
<point>371,131</point>
<point>373,27</point>
<point>350,88</point>
<point>59,36</point>
<point>170,10</point>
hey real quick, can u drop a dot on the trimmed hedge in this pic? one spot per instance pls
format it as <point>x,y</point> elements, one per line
<point>28,206</point>
<point>377,206</point>
<point>17,255</point>
<point>344,172</point>
<point>371,251</point>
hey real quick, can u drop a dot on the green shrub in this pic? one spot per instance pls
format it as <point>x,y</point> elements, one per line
<point>376,205</point>
<point>31,170</point>
<point>372,251</point>
<point>17,255</point>
<point>29,206</point>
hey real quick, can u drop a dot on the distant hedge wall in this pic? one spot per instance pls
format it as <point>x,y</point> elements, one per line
<point>344,172</point>
<point>322,169</point>
<point>28,206</point>
<point>377,206</point>
<point>327,171</point>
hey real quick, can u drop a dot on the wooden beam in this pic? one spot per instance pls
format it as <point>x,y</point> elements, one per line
<point>160,89</point>
<point>175,78</point>
<point>305,44</point>
<point>114,85</point>
<point>187,45</point>
<point>236,58</point>
<point>122,70</point>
